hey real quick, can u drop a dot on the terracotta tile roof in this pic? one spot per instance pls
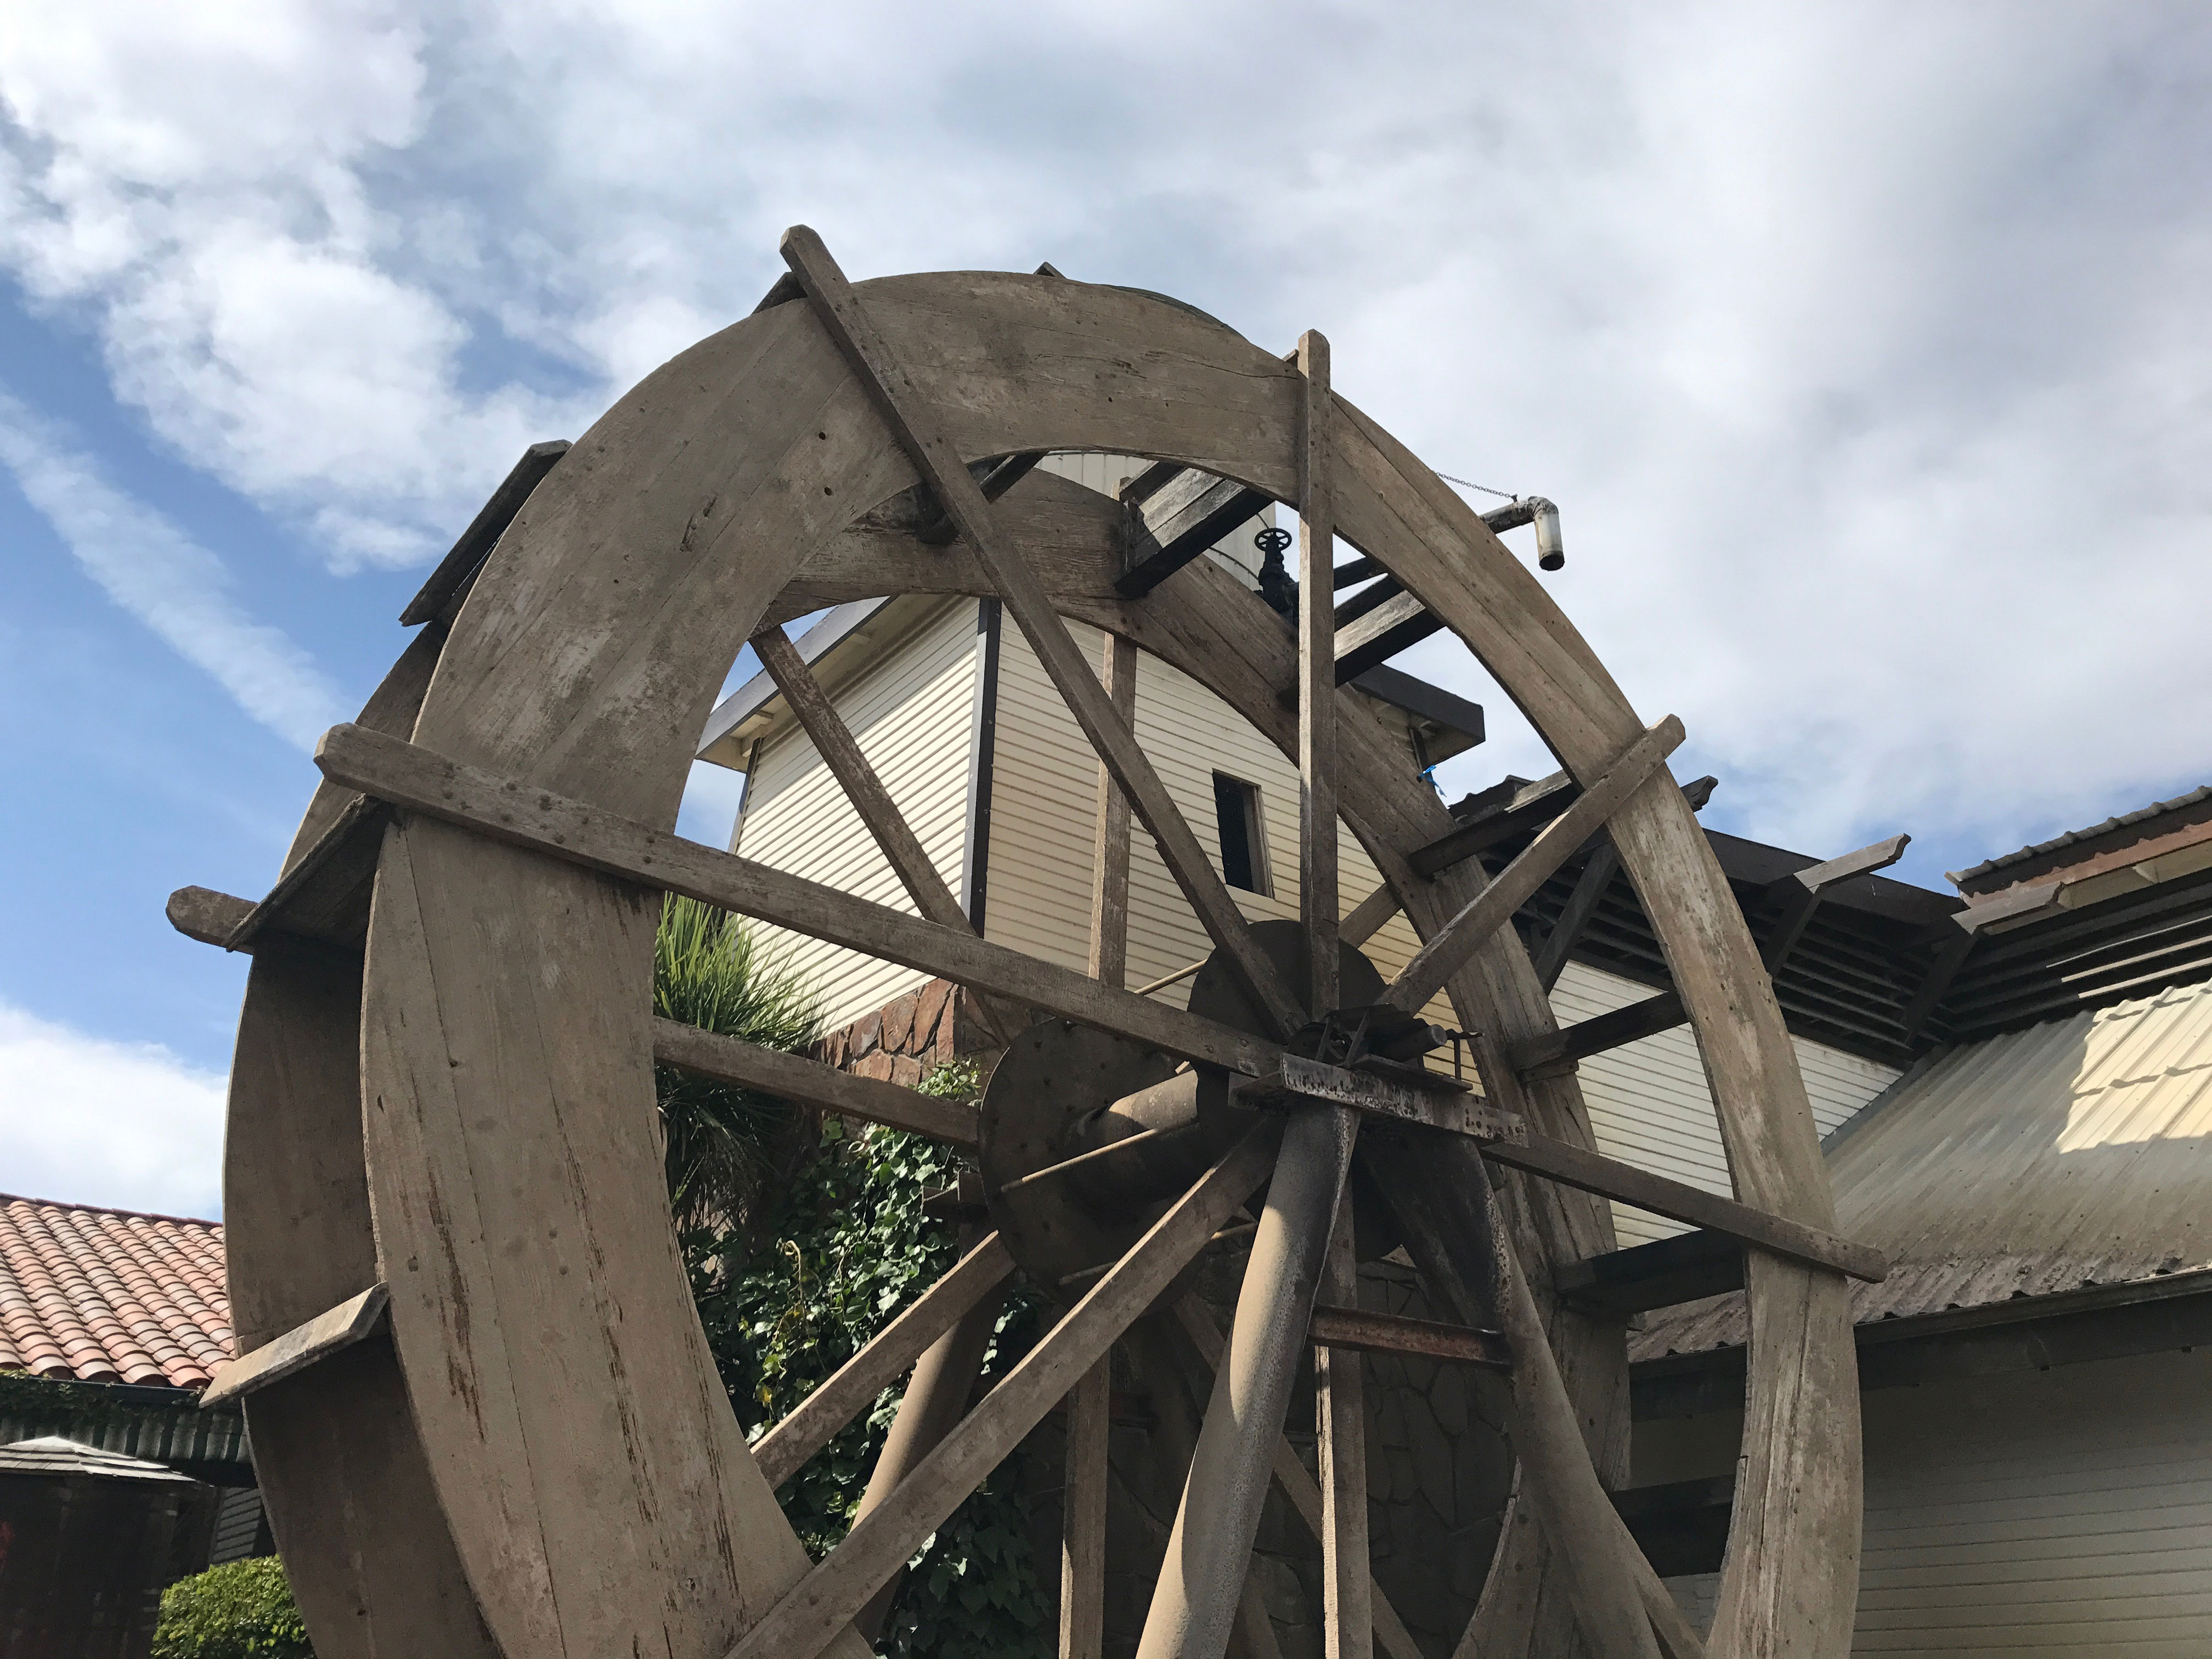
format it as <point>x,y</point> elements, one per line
<point>111,1296</point>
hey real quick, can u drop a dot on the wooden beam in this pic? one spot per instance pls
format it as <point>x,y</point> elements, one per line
<point>1378,634</point>
<point>212,918</point>
<point>1552,1052</point>
<point>1355,1327</point>
<point>885,1358</point>
<point>1369,915</point>
<point>809,1083</point>
<point>1450,946</point>
<point>1608,1177</point>
<point>323,895</point>
<point>1801,893</point>
<point>1171,515</point>
<point>1530,807</point>
<point>1300,1488</point>
<point>1340,1419</point>
<point>879,815</point>
<point>1110,851</point>
<point>1663,1273</point>
<point>1447,1106</point>
<point>319,1338</point>
<point>449,583</point>
<point>808,1617</point>
<point>1317,851</point>
<point>1083,1516</point>
<point>1025,599</point>
<point>1550,958</point>
<point>507,810</point>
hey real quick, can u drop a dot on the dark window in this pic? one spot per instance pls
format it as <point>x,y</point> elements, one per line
<point>1243,838</point>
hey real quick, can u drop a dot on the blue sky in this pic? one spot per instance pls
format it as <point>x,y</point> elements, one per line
<point>1862,346</point>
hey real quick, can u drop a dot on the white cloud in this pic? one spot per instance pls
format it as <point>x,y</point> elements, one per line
<point>90,1122</point>
<point>1859,343</point>
<point>166,581</point>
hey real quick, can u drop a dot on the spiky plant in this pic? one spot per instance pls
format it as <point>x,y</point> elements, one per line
<point>725,1144</point>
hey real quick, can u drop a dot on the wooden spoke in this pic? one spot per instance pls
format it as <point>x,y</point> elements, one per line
<point>1368,916</point>
<point>1550,958</point>
<point>1317,862</point>
<point>809,1617</point>
<point>1109,859</point>
<point>1456,941</point>
<point>1291,1477</point>
<point>1608,1177</point>
<point>1348,1612</point>
<point>833,739</point>
<point>1024,597</point>
<point>1441,1197</point>
<point>1083,1517</point>
<point>503,809</point>
<point>809,1083</point>
<point>886,1357</point>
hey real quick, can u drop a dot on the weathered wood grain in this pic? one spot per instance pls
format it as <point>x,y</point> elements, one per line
<point>1083,1517</point>
<point>809,1083</point>
<point>1109,853</point>
<point>803,1622</point>
<point>1340,1422</point>
<point>1317,862</point>
<point>350,1322</point>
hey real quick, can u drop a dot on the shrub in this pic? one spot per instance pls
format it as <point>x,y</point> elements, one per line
<point>241,1610</point>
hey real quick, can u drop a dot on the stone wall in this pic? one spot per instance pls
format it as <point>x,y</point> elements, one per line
<point>902,1041</point>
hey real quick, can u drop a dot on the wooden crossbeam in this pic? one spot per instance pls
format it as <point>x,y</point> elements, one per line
<point>1399,622</point>
<point>809,1083</point>
<point>1298,1080</point>
<point>1171,515</point>
<point>324,1334</point>
<point>811,1614</point>
<point>885,1358</point>
<point>1550,958</point>
<point>1530,807</point>
<point>449,583</point>
<point>1801,892</point>
<point>524,815</point>
<point>1357,1328</point>
<point>1023,596</point>
<point>1291,1478</point>
<point>1448,948</point>
<point>1663,1273</point>
<point>1593,1172</point>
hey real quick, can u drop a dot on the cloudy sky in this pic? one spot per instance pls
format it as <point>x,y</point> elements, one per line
<point>1863,345</point>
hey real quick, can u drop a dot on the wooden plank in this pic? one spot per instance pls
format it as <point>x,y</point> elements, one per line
<point>1398,624</point>
<point>1168,522</point>
<point>800,1624</point>
<point>1801,891</point>
<point>1083,1517</point>
<point>1298,1079</point>
<point>883,1359</point>
<point>1455,943</point>
<point>325,893</point>
<point>303,1345</point>
<point>1110,851</point>
<point>1318,853</point>
<point>915,425</point>
<point>1599,1032</point>
<point>334,1447</point>
<point>507,809</point>
<point>1529,808</point>
<point>202,914</point>
<point>1590,890</point>
<point>1357,1329</point>
<point>448,585</point>
<point>1300,1488</point>
<point>809,1083</point>
<point>1815,1247</point>
<point>1368,916</point>
<point>1347,1622</point>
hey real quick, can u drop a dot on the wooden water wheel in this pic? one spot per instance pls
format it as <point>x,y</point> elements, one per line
<point>443,1099</point>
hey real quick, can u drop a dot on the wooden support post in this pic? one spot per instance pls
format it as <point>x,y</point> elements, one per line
<point>1083,1517</point>
<point>915,426</point>
<point>852,1388</point>
<point>1347,1614</point>
<point>1317,860</point>
<point>1109,861</point>
<point>1450,946</point>
<point>1290,1475</point>
<point>810,1615</point>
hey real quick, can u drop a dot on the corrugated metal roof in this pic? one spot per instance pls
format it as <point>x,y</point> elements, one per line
<point>111,1296</point>
<point>52,1455</point>
<point>2071,1154</point>
<point>2203,792</point>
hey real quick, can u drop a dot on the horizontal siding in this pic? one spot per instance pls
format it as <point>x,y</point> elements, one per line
<point>1649,1104</point>
<point>911,709</point>
<point>2047,1515</point>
